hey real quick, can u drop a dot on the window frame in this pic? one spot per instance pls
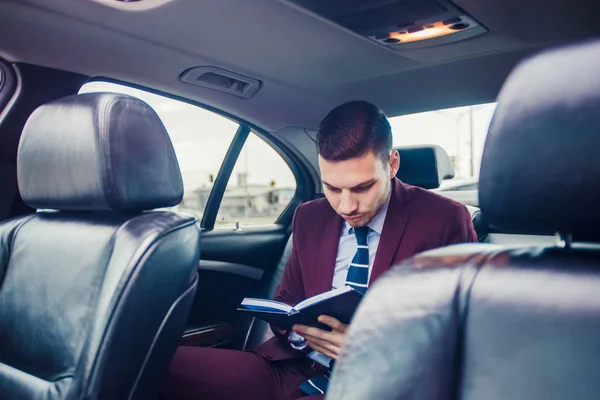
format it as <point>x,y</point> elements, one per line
<point>222,179</point>
<point>304,179</point>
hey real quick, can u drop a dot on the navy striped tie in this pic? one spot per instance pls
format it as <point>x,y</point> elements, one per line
<point>358,271</point>
<point>358,278</point>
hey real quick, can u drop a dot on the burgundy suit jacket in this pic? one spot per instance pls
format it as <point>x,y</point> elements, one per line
<point>416,220</point>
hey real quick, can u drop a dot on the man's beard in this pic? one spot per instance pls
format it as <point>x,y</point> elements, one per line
<point>384,198</point>
<point>380,203</point>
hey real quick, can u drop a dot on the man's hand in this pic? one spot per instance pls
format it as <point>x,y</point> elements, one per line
<point>328,343</point>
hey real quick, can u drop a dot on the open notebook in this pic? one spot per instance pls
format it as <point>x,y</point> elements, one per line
<point>337,303</point>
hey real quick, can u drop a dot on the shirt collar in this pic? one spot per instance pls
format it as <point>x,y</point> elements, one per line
<point>376,223</point>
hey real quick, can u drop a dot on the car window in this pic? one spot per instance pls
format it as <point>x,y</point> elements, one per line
<point>200,137</point>
<point>260,188</point>
<point>460,131</point>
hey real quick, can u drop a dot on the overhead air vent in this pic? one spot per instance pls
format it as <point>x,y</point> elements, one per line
<point>399,24</point>
<point>222,80</point>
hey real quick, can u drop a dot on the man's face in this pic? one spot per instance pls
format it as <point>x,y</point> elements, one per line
<point>358,187</point>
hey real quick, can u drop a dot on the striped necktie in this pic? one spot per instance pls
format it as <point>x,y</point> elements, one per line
<point>358,271</point>
<point>358,278</point>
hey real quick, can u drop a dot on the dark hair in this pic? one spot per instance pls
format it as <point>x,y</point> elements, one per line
<point>353,129</point>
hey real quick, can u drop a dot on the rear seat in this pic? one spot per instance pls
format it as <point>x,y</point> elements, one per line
<point>257,331</point>
<point>423,166</point>
<point>481,227</point>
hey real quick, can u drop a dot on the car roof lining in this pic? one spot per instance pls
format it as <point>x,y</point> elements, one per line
<point>306,64</point>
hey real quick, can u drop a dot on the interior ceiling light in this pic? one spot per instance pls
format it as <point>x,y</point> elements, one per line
<point>429,32</point>
<point>422,34</point>
<point>399,24</point>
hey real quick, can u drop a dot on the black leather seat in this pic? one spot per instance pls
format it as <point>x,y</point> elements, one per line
<point>424,166</point>
<point>494,322</point>
<point>251,332</point>
<point>94,295</point>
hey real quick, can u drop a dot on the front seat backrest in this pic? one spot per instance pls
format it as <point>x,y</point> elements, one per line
<point>491,322</point>
<point>94,291</point>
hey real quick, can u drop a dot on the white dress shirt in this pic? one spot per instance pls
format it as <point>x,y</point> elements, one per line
<point>347,247</point>
<point>346,251</point>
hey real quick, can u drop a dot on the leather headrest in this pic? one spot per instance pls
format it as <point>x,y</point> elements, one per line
<point>424,166</point>
<point>540,170</point>
<point>97,151</point>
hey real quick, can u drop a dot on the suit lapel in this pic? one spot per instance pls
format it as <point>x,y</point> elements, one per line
<point>394,227</point>
<point>328,252</point>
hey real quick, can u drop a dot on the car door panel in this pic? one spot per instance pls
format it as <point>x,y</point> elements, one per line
<point>245,271</point>
<point>259,246</point>
<point>234,264</point>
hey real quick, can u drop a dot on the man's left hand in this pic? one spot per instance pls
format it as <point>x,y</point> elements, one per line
<point>328,343</point>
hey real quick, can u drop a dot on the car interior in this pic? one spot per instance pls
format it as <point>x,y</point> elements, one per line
<point>152,154</point>
<point>489,321</point>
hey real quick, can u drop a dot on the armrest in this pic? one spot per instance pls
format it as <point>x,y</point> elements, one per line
<point>209,335</point>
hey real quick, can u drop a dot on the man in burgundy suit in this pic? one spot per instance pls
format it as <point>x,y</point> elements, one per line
<point>368,222</point>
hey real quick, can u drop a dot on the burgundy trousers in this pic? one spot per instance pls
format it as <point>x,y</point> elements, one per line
<point>198,373</point>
